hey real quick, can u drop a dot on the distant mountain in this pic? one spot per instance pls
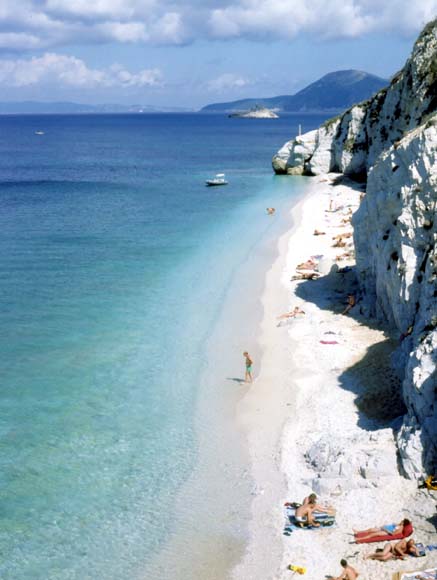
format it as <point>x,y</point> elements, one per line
<point>335,91</point>
<point>39,108</point>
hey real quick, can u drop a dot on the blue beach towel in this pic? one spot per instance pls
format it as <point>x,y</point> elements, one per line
<point>291,525</point>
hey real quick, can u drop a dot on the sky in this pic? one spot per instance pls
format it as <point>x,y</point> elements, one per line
<point>188,54</point>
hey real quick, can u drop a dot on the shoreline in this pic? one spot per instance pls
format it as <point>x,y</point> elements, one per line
<point>304,428</point>
<point>262,416</point>
<point>211,511</point>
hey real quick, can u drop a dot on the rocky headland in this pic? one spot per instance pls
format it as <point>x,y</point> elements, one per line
<point>389,144</point>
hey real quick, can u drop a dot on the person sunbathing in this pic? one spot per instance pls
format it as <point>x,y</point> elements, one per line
<point>391,529</point>
<point>339,243</point>
<point>343,256</point>
<point>308,265</point>
<point>318,233</point>
<point>306,276</point>
<point>351,301</point>
<point>399,550</point>
<point>340,236</point>
<point>291,314</point>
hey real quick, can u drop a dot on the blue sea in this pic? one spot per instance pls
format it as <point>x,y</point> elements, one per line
<point>128,292</point>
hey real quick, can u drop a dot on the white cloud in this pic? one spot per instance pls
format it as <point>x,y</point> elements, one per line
<point>124,10</point>
<point>326,19</point>
<point>20,40</point>
<point>68,71</point>
<point>227,82</point>
<point>123,31</point>
<point>44,23</point>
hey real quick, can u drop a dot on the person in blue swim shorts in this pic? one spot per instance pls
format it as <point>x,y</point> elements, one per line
<point>249,363</point>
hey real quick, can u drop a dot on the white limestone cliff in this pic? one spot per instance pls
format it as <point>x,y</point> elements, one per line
<point>391,141</point>
<point>395,231</point>
<point>352,142</point>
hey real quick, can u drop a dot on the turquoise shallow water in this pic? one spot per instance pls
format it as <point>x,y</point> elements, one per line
<point>115,263</point>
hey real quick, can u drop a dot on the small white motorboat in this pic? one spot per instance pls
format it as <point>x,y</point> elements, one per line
<point>39,132</point>
<point>219,179</point>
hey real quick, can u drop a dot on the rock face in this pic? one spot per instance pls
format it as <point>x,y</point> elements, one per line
<point>337,470</point>
<point>391,141</point>
<point>395,230</point>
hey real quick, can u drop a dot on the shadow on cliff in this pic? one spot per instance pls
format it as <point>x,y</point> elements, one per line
<point>358,184</point>
<point>376,386</point>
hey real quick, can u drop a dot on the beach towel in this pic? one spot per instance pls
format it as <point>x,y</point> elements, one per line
<point>329,342</point>
<point>325,520</point>
<point>408,530</point>
<point>429,574</point>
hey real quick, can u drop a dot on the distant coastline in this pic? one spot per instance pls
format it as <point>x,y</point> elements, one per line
<point>70,108</point>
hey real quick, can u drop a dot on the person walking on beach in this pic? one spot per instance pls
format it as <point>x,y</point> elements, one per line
<point>249,363</point>
<point>348,573</point>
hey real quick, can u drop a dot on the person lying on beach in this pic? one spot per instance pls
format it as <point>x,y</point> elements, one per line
<point>340,236</point>
<point>339,243</point>
<point>399,550</point>
<point>346,220</point>
<point>318,233</point>
<point>291,314</point>
<point>348,573</point>
<point>306,276</point>
<point>343,256</point>
<point>308,265</point>
<point>391,529</point>
<point>351,301</point>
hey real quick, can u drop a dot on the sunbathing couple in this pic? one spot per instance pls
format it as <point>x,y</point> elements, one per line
<point>310,264</point>
<point>305,514</point>
<point>306,276</point>
<point>399,551</point>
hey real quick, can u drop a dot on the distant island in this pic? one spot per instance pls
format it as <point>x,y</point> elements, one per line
<point>68,108</point>
<point>256,113</point>
<point>332,93</point>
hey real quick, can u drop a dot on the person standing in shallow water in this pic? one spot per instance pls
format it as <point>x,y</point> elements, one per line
<point>249,363</point>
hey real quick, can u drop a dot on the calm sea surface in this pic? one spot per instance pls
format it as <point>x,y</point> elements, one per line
<point>115,264</point>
